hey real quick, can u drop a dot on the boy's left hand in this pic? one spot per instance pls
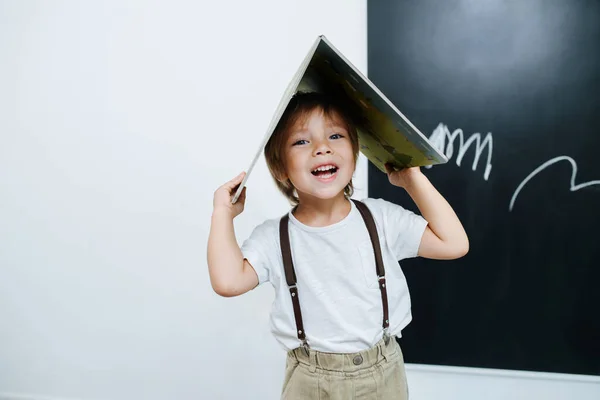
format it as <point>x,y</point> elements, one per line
<point>404,177</point>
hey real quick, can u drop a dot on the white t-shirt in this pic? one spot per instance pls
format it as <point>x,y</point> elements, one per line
<point>337,282</point>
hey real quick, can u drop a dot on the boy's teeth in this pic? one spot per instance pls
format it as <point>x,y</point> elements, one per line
<point>325,168</point>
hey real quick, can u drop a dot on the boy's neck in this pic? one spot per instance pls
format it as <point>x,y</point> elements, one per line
<point>320,213</point>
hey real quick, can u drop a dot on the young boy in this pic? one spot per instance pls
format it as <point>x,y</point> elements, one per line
<point>340,294</point>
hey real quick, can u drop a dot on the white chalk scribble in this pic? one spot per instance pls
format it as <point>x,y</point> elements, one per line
<point>441,133</point>
<point>573,187</point>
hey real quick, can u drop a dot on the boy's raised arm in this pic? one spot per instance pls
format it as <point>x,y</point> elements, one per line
<point>230,274</point>
<point>444,237</point>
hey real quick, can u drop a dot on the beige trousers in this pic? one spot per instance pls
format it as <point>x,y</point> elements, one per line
<point>376,373</point>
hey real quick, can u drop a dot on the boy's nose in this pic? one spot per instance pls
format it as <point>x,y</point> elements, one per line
<point>323,151</point>
<point>322,148</point>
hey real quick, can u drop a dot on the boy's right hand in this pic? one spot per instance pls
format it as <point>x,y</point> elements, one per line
<point>224,195</point>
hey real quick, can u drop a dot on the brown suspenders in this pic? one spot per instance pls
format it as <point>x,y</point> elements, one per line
<point>372,228</point>
<point>290,274</point>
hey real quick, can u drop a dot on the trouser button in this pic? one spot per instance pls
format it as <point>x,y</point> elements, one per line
<point>357,360</point>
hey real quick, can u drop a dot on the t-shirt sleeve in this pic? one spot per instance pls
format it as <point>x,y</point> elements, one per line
<point>259,247</point>
<point>403,229</point>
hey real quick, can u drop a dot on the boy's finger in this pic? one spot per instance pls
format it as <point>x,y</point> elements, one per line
<point>234,182</point>
<point>238,178</point>
<point>234,188</point>
<point>389,168</point>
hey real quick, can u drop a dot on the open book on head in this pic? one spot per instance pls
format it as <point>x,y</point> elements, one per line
<point>385,135</point>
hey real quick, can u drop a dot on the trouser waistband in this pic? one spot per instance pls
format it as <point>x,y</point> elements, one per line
<point>347,362</point>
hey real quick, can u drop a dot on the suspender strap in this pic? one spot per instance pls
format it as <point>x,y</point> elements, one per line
<point>290,274</point>
<point>372,228</point>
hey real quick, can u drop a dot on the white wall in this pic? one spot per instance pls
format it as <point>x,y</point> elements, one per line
<point>118,120</point>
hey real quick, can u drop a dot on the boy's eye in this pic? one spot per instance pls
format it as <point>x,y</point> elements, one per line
<point>301,141</point>
<point>336,136</point>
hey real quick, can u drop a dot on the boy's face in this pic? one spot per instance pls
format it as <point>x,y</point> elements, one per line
<point>318,156</point>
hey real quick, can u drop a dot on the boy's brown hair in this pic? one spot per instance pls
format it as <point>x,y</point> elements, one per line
<point>299,108</point>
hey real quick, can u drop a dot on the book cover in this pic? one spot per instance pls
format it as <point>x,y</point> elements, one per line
<point>385,134</point>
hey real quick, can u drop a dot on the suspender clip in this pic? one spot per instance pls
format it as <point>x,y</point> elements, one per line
<point>386,336</point>
<point>305,347</point>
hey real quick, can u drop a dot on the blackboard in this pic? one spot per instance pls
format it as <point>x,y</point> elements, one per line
<point>521,80</point>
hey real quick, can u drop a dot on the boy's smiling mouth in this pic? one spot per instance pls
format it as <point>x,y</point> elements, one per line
<point>325,172</point>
